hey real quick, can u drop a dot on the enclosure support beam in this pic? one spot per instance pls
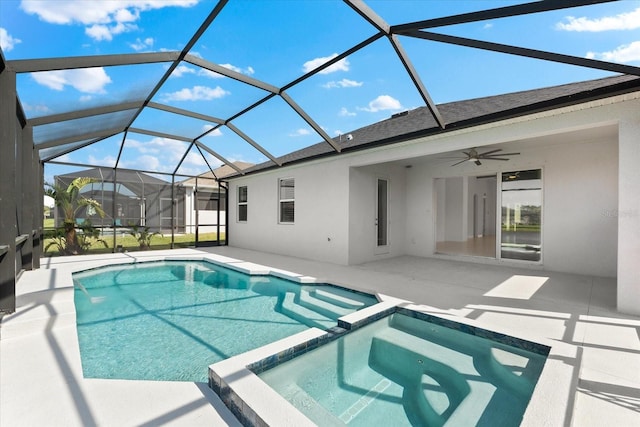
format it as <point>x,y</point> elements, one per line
<point>38,190</point>
<point>28,195</point>
<point>173,209</point>
<point>113,208</point>
<point>8,230</point>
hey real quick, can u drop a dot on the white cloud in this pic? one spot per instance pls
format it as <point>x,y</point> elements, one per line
<point>157,154</point>
<point>141,146</point>
<point>196,93</point>
<point>248,71</point>
<point>7,42</point>
<point>208,73</point>
<point>207,128</point>
<point>342,83</point>
<point>383,102</point>
<point>163,154</point>
<point>102,19</point>
<point>142,44</point>
<point>300,132</point>
<point>621,54</point>
<point>85,80</point>
<point>622,21</point>
<point>105,161</point>
<point>342,65</point>
<point>182,70</point>
<point>346,113</point>
<point>64,158</point>
<point>86,98</point>
<point>194,158</point>
<point>487,26</point>
<point>39,108</point>
<point>104,32</point>
<point>147,162</point>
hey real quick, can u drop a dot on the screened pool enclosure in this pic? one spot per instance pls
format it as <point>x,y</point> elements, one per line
<point>193,115</point>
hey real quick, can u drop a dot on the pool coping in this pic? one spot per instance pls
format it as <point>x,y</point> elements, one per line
<point>254,403</point>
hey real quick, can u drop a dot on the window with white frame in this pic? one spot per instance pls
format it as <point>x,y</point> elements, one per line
<point>243,203</point>
<point>287,200</point>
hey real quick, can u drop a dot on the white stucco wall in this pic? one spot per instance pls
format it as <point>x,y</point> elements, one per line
<point>583,230</point>
<point>320,230</point>
<point>362,212</point>
<point>628,215</point>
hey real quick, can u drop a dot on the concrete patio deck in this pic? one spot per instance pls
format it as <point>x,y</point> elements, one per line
<point>41,380</point>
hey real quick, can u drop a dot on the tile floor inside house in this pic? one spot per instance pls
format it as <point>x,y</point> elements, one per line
<point>41,379</point>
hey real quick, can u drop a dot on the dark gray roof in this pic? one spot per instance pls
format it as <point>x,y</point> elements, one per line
<point>460,114</point>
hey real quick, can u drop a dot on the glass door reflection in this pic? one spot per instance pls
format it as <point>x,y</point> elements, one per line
<point>521,236</point>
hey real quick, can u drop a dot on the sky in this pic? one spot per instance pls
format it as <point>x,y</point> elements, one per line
<point>276,42</point>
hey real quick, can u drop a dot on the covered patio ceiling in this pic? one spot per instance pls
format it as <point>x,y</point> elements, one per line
<point>278,107</point>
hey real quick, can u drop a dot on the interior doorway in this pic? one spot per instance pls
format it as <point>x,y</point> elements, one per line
<point>382,216</point>
<point>466,215</point>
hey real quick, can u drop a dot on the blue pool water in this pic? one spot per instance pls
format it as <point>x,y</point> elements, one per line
<point>170,320</point>
<point>402,371</point>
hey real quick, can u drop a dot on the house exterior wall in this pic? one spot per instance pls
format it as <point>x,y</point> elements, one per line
<point>583,229</point>
<point>362,212</point>
<point>320,228</point>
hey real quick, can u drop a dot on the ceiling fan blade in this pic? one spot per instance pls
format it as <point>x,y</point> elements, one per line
<point>495,158</point>
<point>461,161</point>
<point>505,154</point>
<point>490,152</point>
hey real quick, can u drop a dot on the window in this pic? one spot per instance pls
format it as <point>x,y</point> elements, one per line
<point>206,201</point>
<point>242,203</point>
<point>287,200</point>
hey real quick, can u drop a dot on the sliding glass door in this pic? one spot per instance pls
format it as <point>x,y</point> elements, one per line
<point>521,195</point>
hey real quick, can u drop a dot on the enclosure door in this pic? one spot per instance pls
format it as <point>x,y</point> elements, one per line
<point>382,216</point>
<point>210,214</point>
<point>168,217</point>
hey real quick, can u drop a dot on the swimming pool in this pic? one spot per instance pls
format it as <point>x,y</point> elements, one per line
<point>407,370</point>
<point>170,320</point>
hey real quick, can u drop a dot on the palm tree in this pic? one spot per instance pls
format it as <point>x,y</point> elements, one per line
<point>143,235</point>
<point>70,201</point>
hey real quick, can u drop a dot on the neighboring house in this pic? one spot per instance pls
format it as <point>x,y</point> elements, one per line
<point>136,198</point>
<point>569,201</point>
<point>206,201</point>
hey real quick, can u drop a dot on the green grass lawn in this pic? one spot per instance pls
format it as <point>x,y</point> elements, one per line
<point>129,243</point>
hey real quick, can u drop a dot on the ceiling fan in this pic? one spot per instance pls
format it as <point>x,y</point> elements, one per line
<point>473,156</point>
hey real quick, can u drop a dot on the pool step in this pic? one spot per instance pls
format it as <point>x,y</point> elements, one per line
<point>340,297</point>
<point>287,305</point>
<point>308,300</point>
